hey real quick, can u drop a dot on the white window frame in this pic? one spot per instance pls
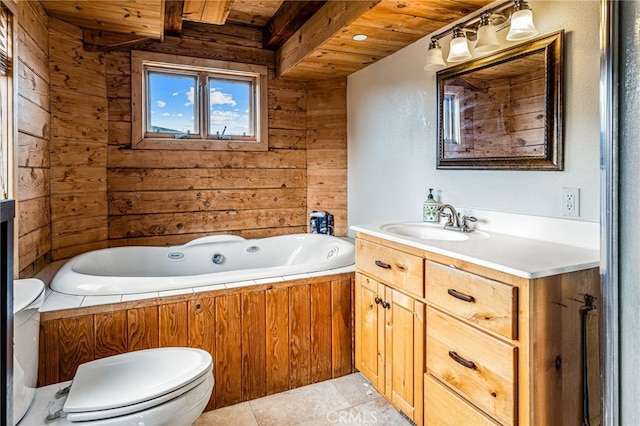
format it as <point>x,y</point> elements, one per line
<point>451,117</point>
<point>141,139</point>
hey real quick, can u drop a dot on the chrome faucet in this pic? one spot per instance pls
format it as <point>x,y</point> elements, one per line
<point>455,220</point>
<point>452,217</point>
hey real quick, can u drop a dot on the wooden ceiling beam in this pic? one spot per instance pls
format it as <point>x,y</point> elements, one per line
<point>289,17</point>
<point>173,17</point>
<point>209,11</point>
<point>332,17</point>
<point>140,17</point>
<point>101,41</point>
<point>217,11</point>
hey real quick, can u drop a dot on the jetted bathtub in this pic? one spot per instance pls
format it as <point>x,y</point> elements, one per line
<point>218,259</point>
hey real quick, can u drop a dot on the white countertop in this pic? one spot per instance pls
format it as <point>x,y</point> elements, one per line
<point>522,257</point>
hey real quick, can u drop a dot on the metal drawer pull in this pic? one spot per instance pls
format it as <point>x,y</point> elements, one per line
<point>382,264</point>
<point>457,358</point>
<point>385,304</point>
<point>461,296</point>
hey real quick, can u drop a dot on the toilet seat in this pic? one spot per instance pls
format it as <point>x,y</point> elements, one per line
<point>134,381</point>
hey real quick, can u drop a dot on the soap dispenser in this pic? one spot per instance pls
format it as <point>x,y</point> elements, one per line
<point>430,209</point>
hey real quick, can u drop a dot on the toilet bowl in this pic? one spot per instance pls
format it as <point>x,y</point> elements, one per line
<point>27,299</point>
<point>163,386</point>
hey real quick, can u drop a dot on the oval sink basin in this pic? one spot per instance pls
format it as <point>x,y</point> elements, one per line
<point>427,231</point>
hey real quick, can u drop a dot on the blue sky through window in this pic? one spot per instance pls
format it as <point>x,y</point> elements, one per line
<point>229,107</point>
<point>171,100</point>
<point>174,108</point>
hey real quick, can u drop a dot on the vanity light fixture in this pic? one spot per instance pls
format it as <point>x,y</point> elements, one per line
<point>359,37</point>
<point>522,27</point>
<point>487,40</point>
<point>434,56</point>
<point>481,27</point>
<point>458,48</point>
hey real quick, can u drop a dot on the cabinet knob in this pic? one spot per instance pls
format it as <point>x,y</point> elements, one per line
<point>385,304</point>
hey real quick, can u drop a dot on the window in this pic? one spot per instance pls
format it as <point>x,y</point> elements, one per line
<point>230,101</point>
<point>194,103</point>
<point>170,102</point>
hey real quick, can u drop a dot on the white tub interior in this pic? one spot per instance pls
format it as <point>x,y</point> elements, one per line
<point>202,262</point>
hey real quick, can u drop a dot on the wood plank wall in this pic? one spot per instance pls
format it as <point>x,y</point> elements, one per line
<point>528,116</point>
<point>86,189</point>
<point>166,197</point>
<point>327,149</point>
<point>263,340</point>
<point>78,144</point>
<point>34,128</point>
<point>169,197</point>
<point>507,116</point>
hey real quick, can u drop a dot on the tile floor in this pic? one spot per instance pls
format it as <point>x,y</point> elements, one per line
<point>346,400</point>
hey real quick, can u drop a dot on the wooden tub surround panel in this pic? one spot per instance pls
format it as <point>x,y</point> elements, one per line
<point>263,339</point>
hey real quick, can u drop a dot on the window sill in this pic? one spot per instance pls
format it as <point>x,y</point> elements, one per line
<point>200,144</point>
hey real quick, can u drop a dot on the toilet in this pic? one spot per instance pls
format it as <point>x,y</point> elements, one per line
<point>164,386</point>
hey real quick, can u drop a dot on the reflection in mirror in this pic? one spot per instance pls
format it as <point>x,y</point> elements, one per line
<point>503,111</point>
<point>451,117</point>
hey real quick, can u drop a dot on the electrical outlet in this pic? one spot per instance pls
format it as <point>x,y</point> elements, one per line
<point>571,202</point>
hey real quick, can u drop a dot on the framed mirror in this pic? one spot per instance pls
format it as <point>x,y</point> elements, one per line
<point>504,111</point>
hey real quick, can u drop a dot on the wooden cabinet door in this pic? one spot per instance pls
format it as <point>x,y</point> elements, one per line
<point>370,357</point>
<point>404,324</point>
<point>390,344</point>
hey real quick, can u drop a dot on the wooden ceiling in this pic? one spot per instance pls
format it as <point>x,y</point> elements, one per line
<point>311,39</point>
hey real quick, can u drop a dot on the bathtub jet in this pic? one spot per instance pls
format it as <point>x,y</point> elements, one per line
<point>218,259</point>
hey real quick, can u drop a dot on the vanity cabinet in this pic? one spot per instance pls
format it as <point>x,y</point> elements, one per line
<point>389,326</point>
<point>497,349</point>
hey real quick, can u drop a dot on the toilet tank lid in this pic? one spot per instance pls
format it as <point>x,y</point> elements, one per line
<point>26,292</point>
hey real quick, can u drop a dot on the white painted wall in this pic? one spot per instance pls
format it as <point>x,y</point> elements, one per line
<point>392,133</point>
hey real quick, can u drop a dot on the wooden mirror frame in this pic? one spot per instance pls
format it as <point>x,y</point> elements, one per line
<point>547,155</point>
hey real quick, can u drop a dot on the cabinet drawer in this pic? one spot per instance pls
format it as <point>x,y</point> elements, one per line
<point>487,303</point>
<point>400,270</point>
<point>443,407</point>
<point>479,367</point>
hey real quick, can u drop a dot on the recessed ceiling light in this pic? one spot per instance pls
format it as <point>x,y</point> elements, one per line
<point>360,37</point>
